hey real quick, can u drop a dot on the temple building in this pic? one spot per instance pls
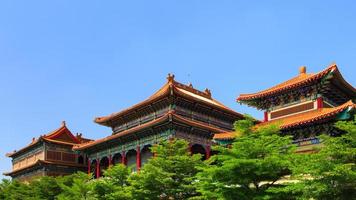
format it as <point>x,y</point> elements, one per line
<point>174,111</point>
<point>49,155</point>
<point>304,106</point>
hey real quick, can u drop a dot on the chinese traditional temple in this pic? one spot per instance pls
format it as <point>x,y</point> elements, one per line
<point>174,111</point>
<point>48,155</point>
<point>304,106</point>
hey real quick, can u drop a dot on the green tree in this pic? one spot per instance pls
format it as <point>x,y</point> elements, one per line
<point>14,190</point>
<point>169,175</point>
<point>76,187</point>
<point>331,172</point>
<point>257,161</point>
<point>114,184</point>
<point>45,188</point>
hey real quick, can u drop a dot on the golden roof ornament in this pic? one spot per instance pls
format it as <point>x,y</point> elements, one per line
<point>170,77</point>
<point>302,70</point>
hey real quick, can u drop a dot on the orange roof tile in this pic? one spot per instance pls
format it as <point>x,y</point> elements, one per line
<point>170,87</point>
<point>225,136</point>
<point>309,117</point>
<point>298,119</point>
<point>302,79</point>
<point>50,137</point>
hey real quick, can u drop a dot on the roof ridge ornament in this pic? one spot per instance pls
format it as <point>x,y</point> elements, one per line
<point>63,123</point>
<point>302,70</point>
<point>207,92</point>
<point>170,78</point>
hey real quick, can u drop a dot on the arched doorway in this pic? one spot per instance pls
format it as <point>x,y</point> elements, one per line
<point>197,148</point>
<point>131,159</point>
<point>146,154</point>
<point>93,166</point>
<point>80,159</point>
<point>116,159</point>
<point>104,164</point>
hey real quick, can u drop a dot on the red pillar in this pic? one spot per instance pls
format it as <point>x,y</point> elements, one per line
<point>266,116</point>
<point>88,160</point>
<point>123,158</point>
<point>208,151</point>
<point>138,158</point>
<point>97,168</point>
<point>319,102</point>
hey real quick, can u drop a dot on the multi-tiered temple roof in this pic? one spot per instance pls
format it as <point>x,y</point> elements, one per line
<point>304,101</point>
<point>35,155</point>
<point>172,89</point>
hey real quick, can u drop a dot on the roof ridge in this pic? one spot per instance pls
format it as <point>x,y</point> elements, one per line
<point>294,82</point>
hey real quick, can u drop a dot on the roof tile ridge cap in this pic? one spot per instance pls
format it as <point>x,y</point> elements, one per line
<point>331,67</point>
<point>114,114</point>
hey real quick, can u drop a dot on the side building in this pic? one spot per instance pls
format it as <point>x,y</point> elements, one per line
<point>49,155</point>
<point>304,106</point>
<point>174,111</point>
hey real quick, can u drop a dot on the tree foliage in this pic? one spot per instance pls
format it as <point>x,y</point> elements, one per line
<point>331,172</point>
<point>254,164</point>
<point>260,164</point>
<point>169,175</point>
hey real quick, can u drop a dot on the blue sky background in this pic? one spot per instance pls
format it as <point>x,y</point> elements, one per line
<point>75,60</point>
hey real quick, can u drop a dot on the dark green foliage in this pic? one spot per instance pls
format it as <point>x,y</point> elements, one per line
<point>259,165</point>
<point>114,185</point>
<point>256,161</point>
<point>331,173</point>
<point>169,175</point>
<point>45,188</point>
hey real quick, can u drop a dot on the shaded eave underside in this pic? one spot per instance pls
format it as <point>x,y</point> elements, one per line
<point>42,162</point>
<point>170,116</point>
<point>296,82</point>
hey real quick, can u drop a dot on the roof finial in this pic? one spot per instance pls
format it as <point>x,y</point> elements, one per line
<point>302,70</point>
<point>170,77</point>
<point>63,123</point>
<point>190,85</point>
<point>208,92</point>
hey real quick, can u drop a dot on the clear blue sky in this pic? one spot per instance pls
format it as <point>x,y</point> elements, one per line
<point>75,60</point>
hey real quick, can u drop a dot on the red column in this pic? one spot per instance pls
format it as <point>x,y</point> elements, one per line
<point>208,151</point>
<point>319,102</point>
<point>266,116</point>
<point>88,160</point>
<point>97,168</point>
<point>123,158</point>
<point>110,161</point>
<point>138,158</point>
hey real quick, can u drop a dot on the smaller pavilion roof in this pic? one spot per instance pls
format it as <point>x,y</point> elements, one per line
<point>302,79</point>
<point>61,135</point>
<point>301,119</point>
